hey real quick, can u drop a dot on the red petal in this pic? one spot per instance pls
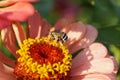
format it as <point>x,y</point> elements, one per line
<point>34,25</point>
<point>6,73</point>
<point>9,41</point>
<point>4,23</point>
<point>19,32</point>
<point>6,60</point>
<point>45,29</point>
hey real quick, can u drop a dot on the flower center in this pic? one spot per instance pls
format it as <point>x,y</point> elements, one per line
<point>45,53</point>
<point>42,59</point>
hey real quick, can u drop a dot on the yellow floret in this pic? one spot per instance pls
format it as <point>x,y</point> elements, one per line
<point>44,69</point>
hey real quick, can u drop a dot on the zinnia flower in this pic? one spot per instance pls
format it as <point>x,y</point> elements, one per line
<point>15,10</point>
<point>41,58</point>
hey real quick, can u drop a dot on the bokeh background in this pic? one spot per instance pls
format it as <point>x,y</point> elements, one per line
<point>103,14</point>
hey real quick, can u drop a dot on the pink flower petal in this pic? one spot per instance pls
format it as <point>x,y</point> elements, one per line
<point>91,60</point>
<point>34,25</point>
<point>115,64</point>
<point>89,37</point>
<point>96,76</point>
<point>4,23</point>
<point>107,68</point>
<point>17,12</point>
<point>61,23</point>
<point>98,50</point>
<point>6,60</point>
<point>9,2</point>
<point>19,32</point>
<point>6,73</point>
<point>95,51</point>
<point>75,32</point>
<point>94,66</point>
<point>45,29</point>
<point>8,39</point>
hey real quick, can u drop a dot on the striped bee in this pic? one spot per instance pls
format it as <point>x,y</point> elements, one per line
<point>58,36</point>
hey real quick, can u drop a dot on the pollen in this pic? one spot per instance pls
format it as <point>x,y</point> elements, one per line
<point>42,59</point>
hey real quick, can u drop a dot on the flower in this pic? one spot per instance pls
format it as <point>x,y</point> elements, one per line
<point>15,10</point>
<point>92,63</point>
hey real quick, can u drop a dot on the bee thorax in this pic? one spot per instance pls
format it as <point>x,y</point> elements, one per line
<point>59,36</point>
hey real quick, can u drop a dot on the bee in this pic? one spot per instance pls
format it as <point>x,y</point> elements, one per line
<point>58,36</point>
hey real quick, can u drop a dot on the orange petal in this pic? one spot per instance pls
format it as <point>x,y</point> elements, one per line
<point>45,28</point>
<point>95,76</point>
<point>9,2</point>
<point>75,32</point>
<point>16,12</point>
<point>6,60</point>
<point>19,32</point>
<point>9,41</point>
<point>27,0</point>
<point>34,25</point>
<point>89,37</point>
<point>6,73</point>
<point>6,2</point>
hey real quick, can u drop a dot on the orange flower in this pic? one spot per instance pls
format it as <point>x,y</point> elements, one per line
<point>15,10</point>
<point>44,59</point>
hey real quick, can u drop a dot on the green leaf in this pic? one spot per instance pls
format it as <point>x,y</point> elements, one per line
<point>105,13</point>
<point>109,35</point>
<point>44,7</point>
<point>115,50</point>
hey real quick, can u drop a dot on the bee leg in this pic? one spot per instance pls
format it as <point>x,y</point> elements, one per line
<point>61,43</point>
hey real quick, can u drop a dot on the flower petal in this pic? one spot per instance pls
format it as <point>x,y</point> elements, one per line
<point>4,23</point>
<point>75,32</point>
<point>89,37</point>
<point>9,2</point>
<point>13,12</point>
<point>96,50</point>
<point>8,39</point>
<point>26,0</point>
<point>34,25</point>
<point>115,64</point>
<point>95,77</point>
<point>61,23</point>
<point>45,29</point>
<point>6,2</point>
<point>6,73</point>
<point>6,60</point>
<point>19,32</point>
<point>90,59</point>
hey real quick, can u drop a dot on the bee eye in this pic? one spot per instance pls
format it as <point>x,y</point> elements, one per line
<point>57,31</point>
